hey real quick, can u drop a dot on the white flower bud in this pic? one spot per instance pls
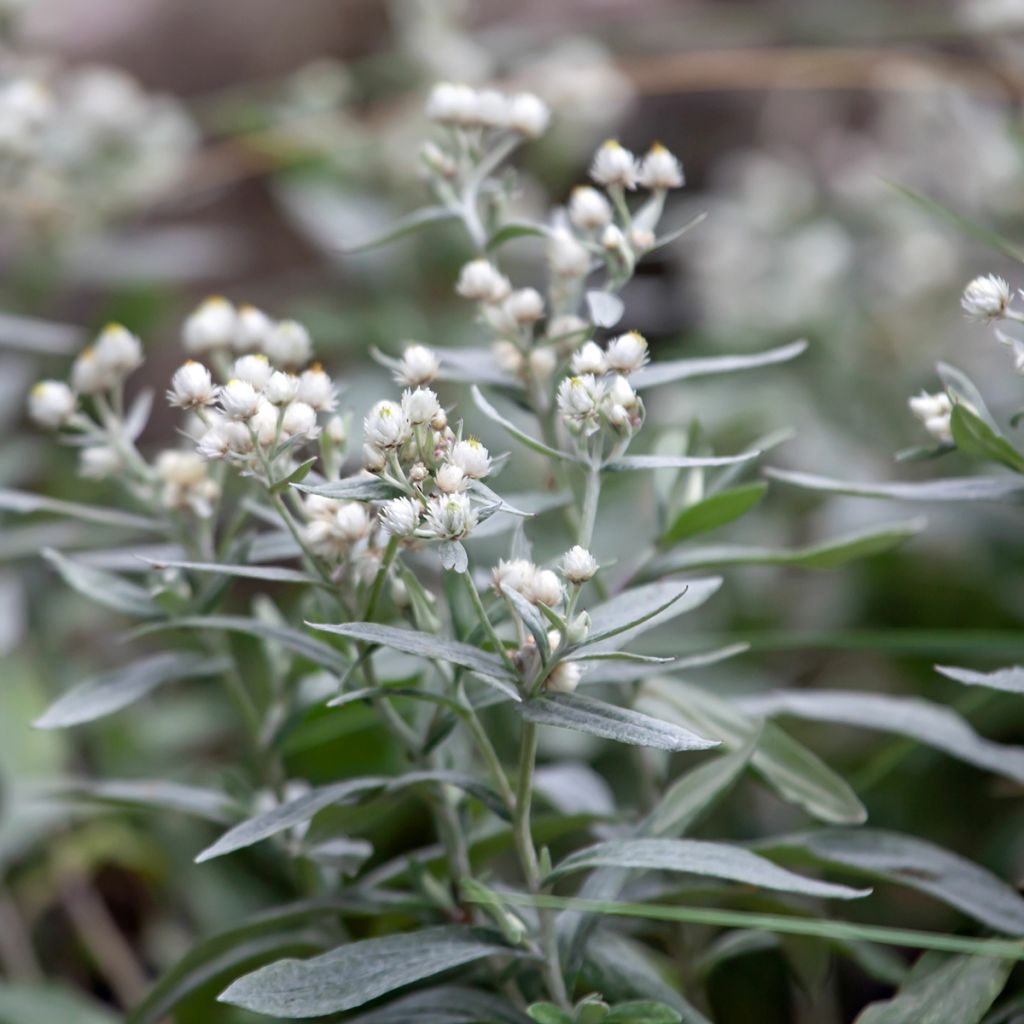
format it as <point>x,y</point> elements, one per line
<point>264,423</point>
<point>579,629</point>
<point>288,344</point>
<point>420,406</point>
<point>471,457</point>
<point>579,400</point>
<point>641,239</point>
<point>528,114</point>
<point>223,439</point>
<point>516,574</point>
<point>507,357</point>
<point>589,359</point>
<point>419,366</point>
<point>239,399</point>
<point>627,352</point>
<point>253,369</point>
<point>99,462</point>
<point>449,516</point>
<point>621,393</point>
<point>566,256</point>
<point>588,209</point>
<point>399,593</point>
<point>566,325</point>
<point>612,239</point>
<point>450,103</point>
<point>524,306</point>
<point>353,521</point>
<point>614,165</point>
<point>578,565</point>
<point>181,468</point>
<point>118,351</point>
<point>299,420</point>
<point>212,326</point>
<point>88,375</point>
<point>564,677</point>
<point>385,426</point>
<point>317,389</point>
<point>336,431</point>
<point>986,298</point>
<point>660,169</point>
<point>400,516</point>
<point>450,479</point>
<point>418,473</point>
<point>252,326</point>
<point>545,588</point>
<point>480,281</point>
<point>934,412</point>
<point>192,386</point>
<point>374,460</point>
<point>492,109</point>
<point>51,403</point>
<point>282,388</point>
<point>542,363</point>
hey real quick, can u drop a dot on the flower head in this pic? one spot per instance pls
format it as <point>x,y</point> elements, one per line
<point>564,677</point>
<point>452,103</point>
<point>420,406</point>
<point>471,457</point>
<point>252,326</point>
<point>588,209</point>
<point>385,426</point>
<point>317,389</point>
<point>288,344</point>
<point>544,588</point>
<point>51,403</point>
<point>660,170</point>
<point>299,420</point>
<point>613,164</point>
<point>481,281</point>
<point>212,326</point>
<point>239,399</point>
<point>449,516</point>
<point>282,388</point>
<point>117,351</point>
<point>579,401</point>
<point>627,352</point>
<point>192,386</point>
<point>418,366</point>
<point>514,574</point>
<point>528,114</point>
<point>400,516</point>
<point>566,255</point>
<point>578,565</point>
<point>88,375</point>
<point>450,479</point>
<point>934,412</point>
<point>253,369</point>
<point>986,298</point>
<point>589,358</point>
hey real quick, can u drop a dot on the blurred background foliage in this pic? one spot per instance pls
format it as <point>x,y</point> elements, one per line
<point>795,119</point>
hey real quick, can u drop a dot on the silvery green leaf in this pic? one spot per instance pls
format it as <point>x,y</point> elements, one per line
<point>358,972</point>
<point>387,692</point>
<point>354,488</point>
<point>605,308</point>
<point>961,990</point>
<point>150,795</point>
<point>574,788</point>
<point>37,336</point>
<point>293,639</point>
<point>972,435</point>
<point>676,233</point>
<point>632,463</point>
<point>138,415</point>
<point>45,1003</point>
<point>340,853</point>
<point>603,673</point>
<point>970,488</point>
<point>104,694</point>
<point>798,775</point>
<point>906,860</point>
<point>271,573</point>
<point>597,718</point>
<point>520,435</point>
<point>404,226</point>
<point>964,388</point>
<point>921,720</point>
<point>473,366</point>
<point>445,1004</point>
<point>712,512</point>
<point>460,780</point>
<point>642,659</point>
<point>532,620</point>
<point>671,370</point>
<point>24,502</point>
<point>698,857</point>
<point>1009,680</point>
<point>453,556</point>
<point>103,587</point>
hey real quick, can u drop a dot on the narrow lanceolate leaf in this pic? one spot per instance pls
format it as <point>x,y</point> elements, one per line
<point>714,511</point>
<point>404,226</point>
<point>150,795</point>
<point>24,502</point>
<point>668,371</point>
<point>103,587</point>
<point>889,856</point>
<point>356,488</point>
<point>797,774</point>
<point>270,573</point>
<point>605,308</point>
<point>928,723</point>
<point>1010,680</point>
<point>631,463</point>
<point>104,694</point>
<point>520,435</point>
<point>830,554</point>
<point>697,857</point>
<point>971,434</point>
<point>619,673</point>
<point>971,488</point>
<point>423,644</point>
<point>354,974</point>
<point>596,718</point>
<point>472,365</point>
<point>961,990</point>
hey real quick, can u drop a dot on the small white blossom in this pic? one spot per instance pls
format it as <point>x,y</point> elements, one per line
<point>481,281</point>
<point>336,431</point>
<point>524,306</point>
<point>288,344</point>
<point>252,326</point>
<point>564,677</point>
<point>515,574</point>
<point>450,479</point>
<point>353,521</point>
<point>88,375</point>
<point>385,426</point>
<point>253,369</point>
<point>51,403</point>
<point>934,412</point>
<point>471,457</point>
<point>212,326</point>
<point>614,165</point>
<point>567,257</point>
<point>299,420</point>
<point>186,484</point>
<point>621,393</point>
<point>317,389</point>
<point>507,357</point>
<point>239,399</point>
<point>400,516</point>
<point>612,239</point>
<point>492,108</point>
<point>579,400</point>
<point>418,366</point>
<point>588,209</point>
<point>99,462</point>
<point>660,169</point>
<point>192,386</point>
<point>588,359</point>
<point>578,565</point>
<point>225,438</point>
<point>449,516</point>
<point>542,363</point>
<point>451,103</point>
<point>420,406</point>
<point>528,114</point>
<point>265,423</point>
<point>627,352</point>
<point>282,388</point>
<point>545,588</point>
<point>641,239</point>
<point>374,460</point>
<point>986,298</point>
<point>118,351</point>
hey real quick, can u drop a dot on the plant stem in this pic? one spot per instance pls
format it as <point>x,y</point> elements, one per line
<point>588,517</point>
<point>485,621</point>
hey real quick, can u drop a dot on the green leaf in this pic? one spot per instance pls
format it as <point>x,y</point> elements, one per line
<point>103,587</point>
<point>921,720</point>
<point>149,795</point>
<point>712,512</point>
<point>970,488</point>
<point>532,620</point>
<point>520,435</point>
<point>353,974</point>
<point>296,476</point>
<point>548,1013</point>
<point>797,774</point>
<point>404,226</point>
<point>670,370</point>
<point>1009,680</point>
<point>24,502</point>
<point>973,435</point>
<point>643,1011</point>
<point>453,556</point>
<point>25,1003</point>
<point>355,488</point>
<point>905,860</point>
<point>271,573</point>
<point>961,990</point>
<point>515,229</point>
<point>104,694</point>
<point>445,1004</point>
<point>596,718</point>
<point>631,463</point>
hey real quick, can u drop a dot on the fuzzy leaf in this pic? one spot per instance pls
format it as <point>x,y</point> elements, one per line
<point>714,511</point>
<point>969,488</point>
<point>445,1004</point>
<point>404,226</point>
<point>670,370</point>
<point>24,502</point>
<point>150,795</point>
<point>103,587</point>
<point>631,463</point>
<point>271,573</point>
<point>1009,680</point>
<point>453,556</point>
<point>355,488</point>
<point>973,435</point>
<point>520,435</point>
<point>605,308</point>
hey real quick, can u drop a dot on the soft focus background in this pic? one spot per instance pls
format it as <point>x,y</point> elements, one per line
<point>281,131</point>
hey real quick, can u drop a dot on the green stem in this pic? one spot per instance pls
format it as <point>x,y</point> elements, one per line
<point>485,621</point>
<point>591,496</point>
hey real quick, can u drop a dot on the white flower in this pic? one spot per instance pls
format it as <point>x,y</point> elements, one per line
<point>545,588</point>
<point>451,103</point>
<point>211,326</point>
<point>99,461</point>
<point>118,351</point>
<point>542,363</point>
<point>934,412</point>
<point>579,400</point>
<point>986,298</point>
<point>471,457</point>
<point>224,438</point>
<point>374,460</point>
<point>420,406</point>
<point>524,306</point>
<point>566,325</point>
<point>192,386</point>
<point>336,431</point>
<point>507,357</point>
<point>564,677</point>
<point>239,399</point>
<point>282,388</point>
<point>621,393</point>
<point>186,484</point>
<point>385,426</point>
<point>641,239</point>
<point>449,516</point>
<point>566,256</point>
<point>627,352</point>
<point>253,369</point>
<point>660,169</point>
<point>288,344</point>
<point>419,366</point>
<point>252,326</point>
<point>528,114</point>
<point>51,403</point>
<point>89,375</point>
<point>400,516</point>
<point>353,521</point>
<point>612,239</point>
<point>317,389</point>
<point>515,574</point>
<point>450,479</point>
<point>588,209</point>
<point>264,423</point>
<point>481,281</point>
<point>614,165</point>
<point>299,420</point>
<point>578,565</point>
<point>589,358</point>
<point>492,108</point>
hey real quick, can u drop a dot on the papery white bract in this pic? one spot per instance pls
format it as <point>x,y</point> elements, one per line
<point>614,165</point>
<point>400,516</point>
<point>419,366</point>
<point>192,386</point>
<point>51,403</point>
<point>986,298</point>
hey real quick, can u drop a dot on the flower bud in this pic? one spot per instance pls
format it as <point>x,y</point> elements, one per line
<point>51,403</point>
<point>420,406</point>
<point>282,388</point>
<point>400,516</point>
<point>627,352</point>
<point>507,357</point>
<point>524,306</point>
<point>212,326</point>
<point>418,366</point>
<point>471,457</point>
<point>589,359</point>
<point>385,426</point>
<point>528,114</point>
<point>480,281</point>
<point>299,420</point>
<point>986,298</point>
<point>450,479</point>
<point>578,565</point>
<point>566,256</point>
<point>545,588</point>
<point>317,389</point>
<point>934,412</point>
<point>288,344</point>
<point>564,677</point>
<point>252,326</point>
<point>660,170</point>
<point>515,574</point>
<point>239,399</point>
<point>192,387</point>
<point>118,351</point>
<point>253,369</point>
<point>614,165</point>
<point>588,209</point>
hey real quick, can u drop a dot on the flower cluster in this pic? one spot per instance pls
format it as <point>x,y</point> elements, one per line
<point>462,107</point>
